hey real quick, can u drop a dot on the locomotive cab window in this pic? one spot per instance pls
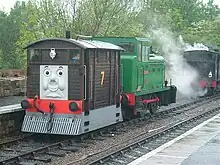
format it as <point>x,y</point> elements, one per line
<point>128,47</point>
<point>145,53</point>
<point>75,56</point>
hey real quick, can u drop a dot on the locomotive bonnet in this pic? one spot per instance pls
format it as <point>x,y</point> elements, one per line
<point>73,86</point>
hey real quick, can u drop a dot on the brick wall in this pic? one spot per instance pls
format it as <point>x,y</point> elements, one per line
<point>12,82</point>
<point>12,72</point>
<point>10,123</point>
<point>12,86</point>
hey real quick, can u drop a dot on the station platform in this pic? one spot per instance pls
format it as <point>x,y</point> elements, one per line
<point>10,104</point>
<point>198,146</point>
<point>10,108</point>
<point>5,101</point>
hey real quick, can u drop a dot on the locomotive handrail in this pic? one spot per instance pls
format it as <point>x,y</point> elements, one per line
<point>137,76</point>
<point>143,75</point>
<point>121,79</point>
<point>117,79</point>
<point>91,82</point>
<point>82,36</point>
<point>85,82</point>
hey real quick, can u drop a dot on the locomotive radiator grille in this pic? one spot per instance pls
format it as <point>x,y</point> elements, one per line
<point>60,125</point>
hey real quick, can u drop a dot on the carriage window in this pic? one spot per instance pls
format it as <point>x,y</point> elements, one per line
<point>34,55</point>
<point>102,56</point>
<point>75,56</point>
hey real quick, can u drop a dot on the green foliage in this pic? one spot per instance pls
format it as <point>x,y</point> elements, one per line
<point>107,18</point>
<point>10,33</point>
<point>32,20</point>
<point>205,32</point>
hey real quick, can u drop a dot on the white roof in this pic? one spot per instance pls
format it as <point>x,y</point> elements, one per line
<point>86,44</point>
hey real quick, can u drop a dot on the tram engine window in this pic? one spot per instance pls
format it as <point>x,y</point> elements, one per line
<point>75,56</point>
<point>35,55</point>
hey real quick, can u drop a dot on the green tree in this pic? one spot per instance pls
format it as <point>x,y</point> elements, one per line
<point>107,17</point>
<point>10,33</point>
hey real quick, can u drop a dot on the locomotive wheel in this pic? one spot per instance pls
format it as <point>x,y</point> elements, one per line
<point>153,106</point>
<point>128,113</point>
<point>210,91</point>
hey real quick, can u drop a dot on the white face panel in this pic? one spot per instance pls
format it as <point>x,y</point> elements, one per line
<point>54,82</point>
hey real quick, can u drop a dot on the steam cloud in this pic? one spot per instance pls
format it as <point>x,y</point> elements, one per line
<point>181,73</point>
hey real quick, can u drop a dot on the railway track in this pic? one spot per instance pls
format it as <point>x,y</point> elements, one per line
<point>34,147</point>
<point>26,150</point>
<point>118,153</point>
<point>145,143</point>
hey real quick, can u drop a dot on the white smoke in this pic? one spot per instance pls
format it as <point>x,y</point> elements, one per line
<point>195,46</point>
<point>181,73</point>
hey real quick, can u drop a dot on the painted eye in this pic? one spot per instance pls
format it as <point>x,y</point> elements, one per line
<point>47,72</point>
<point>59,72</point>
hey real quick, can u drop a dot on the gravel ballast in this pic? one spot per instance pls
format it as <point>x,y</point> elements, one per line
<point>119,140</point>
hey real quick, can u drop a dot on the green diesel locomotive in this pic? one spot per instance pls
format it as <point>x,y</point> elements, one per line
<point>143,83</point>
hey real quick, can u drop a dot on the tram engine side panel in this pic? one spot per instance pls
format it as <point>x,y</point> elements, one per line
<point>103,84</point>
<point>64,94</point>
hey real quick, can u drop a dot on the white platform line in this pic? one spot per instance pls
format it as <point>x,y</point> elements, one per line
<point>10,108</point>
<point>152,153</point>
<point>171,156</point>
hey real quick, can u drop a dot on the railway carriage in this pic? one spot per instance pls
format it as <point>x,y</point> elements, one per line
<point>73,86</point>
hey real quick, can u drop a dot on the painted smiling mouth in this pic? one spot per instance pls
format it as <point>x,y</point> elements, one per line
<point>53,89</point>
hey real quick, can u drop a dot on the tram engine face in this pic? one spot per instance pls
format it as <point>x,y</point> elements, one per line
<point>54,82</point>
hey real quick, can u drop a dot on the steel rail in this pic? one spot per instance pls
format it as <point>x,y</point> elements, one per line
<point>147,138</point>
<point>32,155</point>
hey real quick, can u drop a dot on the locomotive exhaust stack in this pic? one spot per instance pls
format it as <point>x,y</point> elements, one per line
<point>68,35</point>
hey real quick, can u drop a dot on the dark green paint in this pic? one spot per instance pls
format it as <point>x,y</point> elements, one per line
<point>135,62</point>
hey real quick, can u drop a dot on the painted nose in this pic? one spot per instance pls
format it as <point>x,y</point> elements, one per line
<point>53,81</point>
